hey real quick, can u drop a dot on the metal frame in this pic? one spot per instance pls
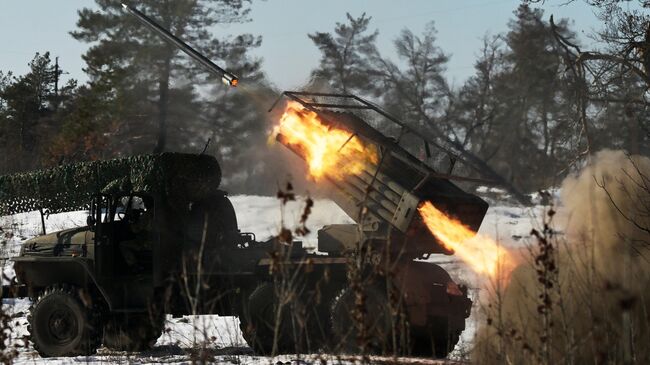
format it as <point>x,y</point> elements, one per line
<point>388,201</point>
<point>362,104</point>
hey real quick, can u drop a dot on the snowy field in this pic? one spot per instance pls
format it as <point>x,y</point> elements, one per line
<point>262,216</point>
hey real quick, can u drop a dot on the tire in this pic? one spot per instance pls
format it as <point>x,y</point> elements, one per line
<point>317,331</point>
<point>436,345</point>
<point>376,322</point>
<point>61,325</point>
<point>447,345</point>
<point>258,323</point>
<point>133,332</point>
<point>304,323</point>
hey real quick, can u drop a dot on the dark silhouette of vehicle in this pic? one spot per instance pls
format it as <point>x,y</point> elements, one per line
<point>113,281</point>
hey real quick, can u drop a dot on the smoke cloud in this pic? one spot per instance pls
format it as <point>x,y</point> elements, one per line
<point>596,288</point>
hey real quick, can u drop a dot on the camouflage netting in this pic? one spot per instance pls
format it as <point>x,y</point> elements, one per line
<point>70,187</point>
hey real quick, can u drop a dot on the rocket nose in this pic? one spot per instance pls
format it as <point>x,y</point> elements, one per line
<point>229,80</point>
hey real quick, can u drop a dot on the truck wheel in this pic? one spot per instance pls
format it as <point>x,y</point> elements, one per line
<point>258,323</point>
<point>316,333</point>
<point>61,325</point>
<point>376,322</point>
<point>438,347</point>
<point>437,341</point>
<point>133,332</point>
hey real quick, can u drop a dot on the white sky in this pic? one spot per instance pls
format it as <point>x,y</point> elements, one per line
<point>29,26</point>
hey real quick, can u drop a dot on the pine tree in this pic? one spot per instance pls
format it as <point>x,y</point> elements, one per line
<point>87,123</point>
<point>344,63</point>
<point>476,105</point>
<point>520,105</point>
<point>29,112</point>
<point>417,91</point>
<point>538,120</point>
<point>153,82</point>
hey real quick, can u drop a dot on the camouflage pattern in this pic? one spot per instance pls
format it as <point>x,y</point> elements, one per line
<point>68,188</point>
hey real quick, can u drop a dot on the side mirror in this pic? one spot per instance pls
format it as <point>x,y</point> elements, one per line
<point>90,221</point>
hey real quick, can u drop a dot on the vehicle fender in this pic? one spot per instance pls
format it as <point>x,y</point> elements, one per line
<point>39,273</point>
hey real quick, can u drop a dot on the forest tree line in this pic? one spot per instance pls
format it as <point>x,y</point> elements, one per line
<point>536,107</point>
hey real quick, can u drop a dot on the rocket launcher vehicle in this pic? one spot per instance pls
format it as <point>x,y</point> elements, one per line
<point>383,197</point>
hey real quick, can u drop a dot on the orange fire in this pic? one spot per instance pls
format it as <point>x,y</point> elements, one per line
<point>326,149</point>
<point>481,253</point>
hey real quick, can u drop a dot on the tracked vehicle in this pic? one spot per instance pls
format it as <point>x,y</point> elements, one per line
<point>162,239</point>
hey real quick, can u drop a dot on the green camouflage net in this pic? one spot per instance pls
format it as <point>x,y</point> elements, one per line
<point>178,177</point>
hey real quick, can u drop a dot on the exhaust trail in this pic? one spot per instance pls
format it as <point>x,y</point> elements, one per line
<point>227,77</point>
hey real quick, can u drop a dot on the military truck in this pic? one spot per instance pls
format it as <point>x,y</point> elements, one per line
<point>114,280</point>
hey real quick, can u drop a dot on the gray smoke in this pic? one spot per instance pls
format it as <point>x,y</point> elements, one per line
<point>603,274</point>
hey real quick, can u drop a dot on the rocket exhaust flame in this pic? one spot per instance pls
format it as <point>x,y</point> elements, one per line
<point>339,154</point>
<point>481,253</point>
<point>328,150</point>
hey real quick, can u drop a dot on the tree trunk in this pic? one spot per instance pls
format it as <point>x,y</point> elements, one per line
<point>163,101</point>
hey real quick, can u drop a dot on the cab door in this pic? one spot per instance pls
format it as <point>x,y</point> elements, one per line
<point>124,254</point>
<point>100,219</point>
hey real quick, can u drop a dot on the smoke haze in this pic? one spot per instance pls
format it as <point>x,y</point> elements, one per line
<point>601,271</point>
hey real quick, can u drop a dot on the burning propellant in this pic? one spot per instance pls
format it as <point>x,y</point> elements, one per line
<point>326,149</point>
<point>481,253</point>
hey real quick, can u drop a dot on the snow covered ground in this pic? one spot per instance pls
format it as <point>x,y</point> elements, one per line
<point>262,216</point>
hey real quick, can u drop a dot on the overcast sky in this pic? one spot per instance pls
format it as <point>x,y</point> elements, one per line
<point>29,26</point>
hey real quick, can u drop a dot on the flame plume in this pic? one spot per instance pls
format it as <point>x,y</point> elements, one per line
<point>327,150</point>
<point>481,253</point>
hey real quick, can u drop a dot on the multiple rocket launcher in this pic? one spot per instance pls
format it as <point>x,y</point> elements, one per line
<point>383,197</point>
